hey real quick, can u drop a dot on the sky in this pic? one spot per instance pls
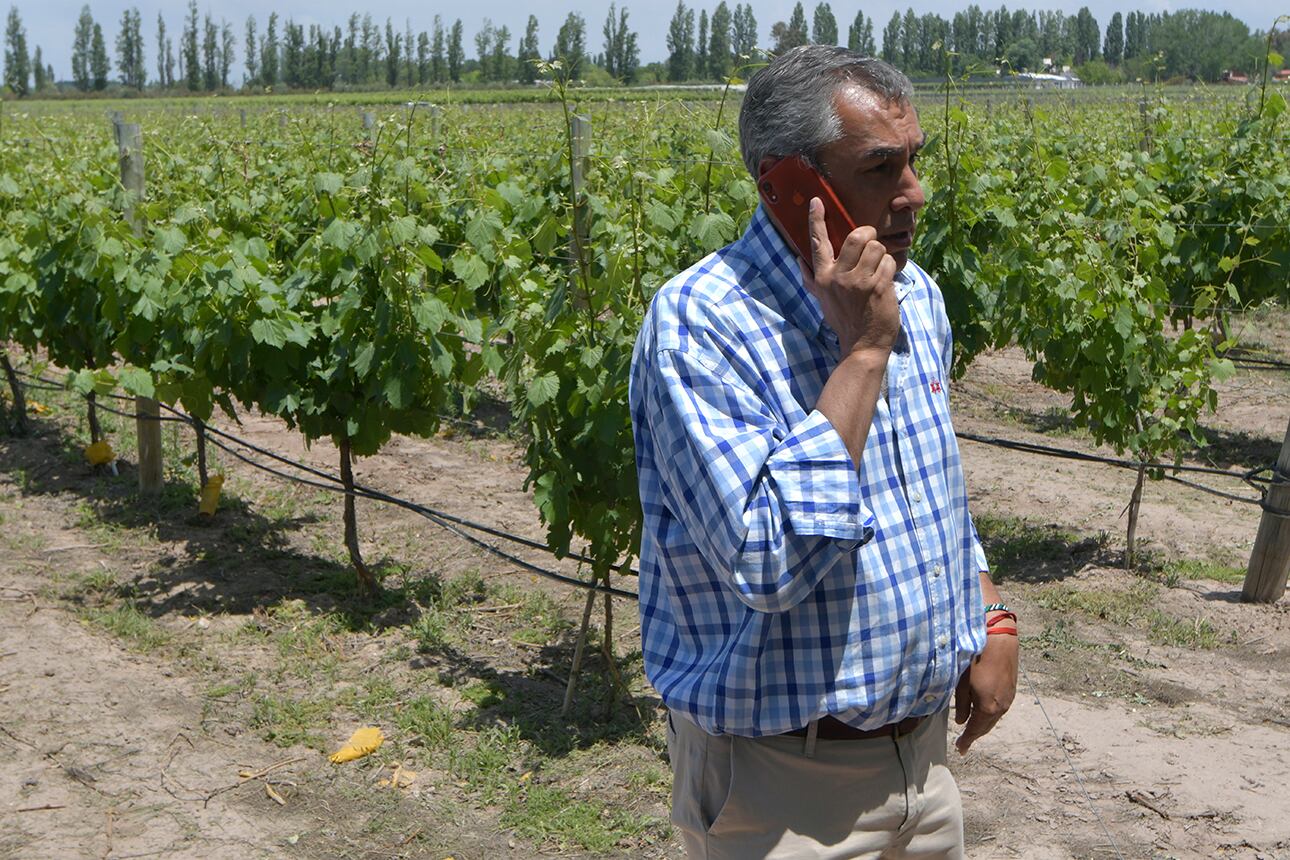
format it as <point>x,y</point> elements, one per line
<point>50,24</point>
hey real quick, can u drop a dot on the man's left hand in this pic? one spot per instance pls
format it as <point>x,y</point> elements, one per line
<point>986,690</point>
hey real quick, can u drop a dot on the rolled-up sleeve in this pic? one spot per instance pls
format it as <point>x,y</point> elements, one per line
<point>760,500</point>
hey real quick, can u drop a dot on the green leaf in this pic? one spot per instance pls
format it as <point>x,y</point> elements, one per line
<point>543,389</point>
<point>470,269</point>
<point>328,183</point>
<point>362,362</point>
<point>396,391</point>
<point>137,381</point>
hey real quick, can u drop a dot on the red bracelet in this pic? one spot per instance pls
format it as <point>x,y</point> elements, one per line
<point>1005,631</point>
<point>990,622</point>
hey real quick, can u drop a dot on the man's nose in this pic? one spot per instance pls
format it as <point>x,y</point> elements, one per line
<point>910,195</point>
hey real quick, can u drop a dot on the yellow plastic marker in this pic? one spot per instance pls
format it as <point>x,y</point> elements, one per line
<point>210,495</point>
<point>363,742</point>
<point>100,453</point>
<point>37,408</point>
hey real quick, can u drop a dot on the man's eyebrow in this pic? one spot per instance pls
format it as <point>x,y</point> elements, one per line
<point>881,153</point>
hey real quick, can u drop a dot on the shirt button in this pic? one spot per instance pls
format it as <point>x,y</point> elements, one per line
<point>942,640</point>
<point>929,698</point>
<point>918,497</point>
<point>937,570</point>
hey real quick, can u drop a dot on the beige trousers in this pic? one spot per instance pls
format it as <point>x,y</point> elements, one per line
<point>737,798</point>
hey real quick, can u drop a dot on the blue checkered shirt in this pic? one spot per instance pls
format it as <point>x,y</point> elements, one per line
<point>778,582</point>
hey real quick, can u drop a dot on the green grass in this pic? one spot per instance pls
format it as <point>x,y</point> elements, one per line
<point>287,721</point>
<point>1199,569</point>
<point>1181,632</point>
<point>549,815</point>
<point>427,720</point>
<point>126,622</point>
<point>1119,607</point>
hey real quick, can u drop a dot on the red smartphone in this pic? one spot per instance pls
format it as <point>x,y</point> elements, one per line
<point>786,190</point>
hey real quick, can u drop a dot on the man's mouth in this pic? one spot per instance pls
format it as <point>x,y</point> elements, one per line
<point>898,239</point>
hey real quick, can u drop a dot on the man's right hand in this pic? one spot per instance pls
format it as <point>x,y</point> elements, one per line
<point>855,289</point>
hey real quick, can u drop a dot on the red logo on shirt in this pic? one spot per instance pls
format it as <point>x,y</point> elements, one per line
<point>936,386</point>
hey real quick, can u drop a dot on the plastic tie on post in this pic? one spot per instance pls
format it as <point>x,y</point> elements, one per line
<point>210,495</point>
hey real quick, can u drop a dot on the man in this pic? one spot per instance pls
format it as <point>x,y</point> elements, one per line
<point>813,591</point>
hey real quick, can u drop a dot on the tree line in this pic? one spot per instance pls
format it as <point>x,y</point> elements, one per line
<point>363,54</point>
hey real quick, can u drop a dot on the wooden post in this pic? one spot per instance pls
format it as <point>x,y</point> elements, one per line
<point>581,151</point>
<point>436,122</point>
<point>242,113</point>
<point>1265,581</point>
<point>369,120</point>
<point>147,427</point>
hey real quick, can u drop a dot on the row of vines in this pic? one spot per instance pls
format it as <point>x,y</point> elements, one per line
<point>359,283</point>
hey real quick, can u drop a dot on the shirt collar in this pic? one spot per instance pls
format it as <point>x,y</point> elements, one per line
<point>770,254</point>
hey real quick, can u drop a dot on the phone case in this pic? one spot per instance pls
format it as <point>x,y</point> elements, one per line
<point>786,190</point>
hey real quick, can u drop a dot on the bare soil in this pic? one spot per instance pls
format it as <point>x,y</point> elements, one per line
<point>155,667</point>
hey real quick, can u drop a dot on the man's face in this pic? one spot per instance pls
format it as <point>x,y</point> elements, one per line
<point>871,167</point>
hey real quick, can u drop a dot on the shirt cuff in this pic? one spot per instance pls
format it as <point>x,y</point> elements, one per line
<point>818,486</point>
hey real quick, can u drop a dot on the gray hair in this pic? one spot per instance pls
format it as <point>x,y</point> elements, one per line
<point>789,110</point>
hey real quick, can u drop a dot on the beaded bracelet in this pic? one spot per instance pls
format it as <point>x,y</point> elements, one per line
<point>997,607</point>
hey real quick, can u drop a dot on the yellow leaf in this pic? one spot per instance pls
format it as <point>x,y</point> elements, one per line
<point>401,778</point>
<point>277,798</point>
<point>99,453</point>
<point>526,776</point>
<point>38,408</point>
<point>364,741</point>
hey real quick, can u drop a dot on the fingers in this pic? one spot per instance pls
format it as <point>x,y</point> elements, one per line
<point>977,726</point>
<point>861,249</point>
<point>963,699</point>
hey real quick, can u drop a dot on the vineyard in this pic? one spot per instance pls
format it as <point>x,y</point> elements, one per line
<point>363,274</point>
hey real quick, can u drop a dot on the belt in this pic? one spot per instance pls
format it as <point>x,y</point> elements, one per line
<point>833,729</point>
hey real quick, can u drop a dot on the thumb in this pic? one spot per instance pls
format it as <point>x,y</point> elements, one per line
<point>821,247</point>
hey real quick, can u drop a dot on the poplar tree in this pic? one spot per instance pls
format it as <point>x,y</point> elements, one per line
<point>269,52</point>
<point>744,31</point>
<point>39,80</point>
<point>81,39</point>
<point>701,47</point>
<point>483,45</point>
<point>191,53</point>
<point>17,63</point>
<point>1113,44</point>
<point>100,63</point>
<point>227,52</point>
<point>252,52</point>
<point>719,52</point>
<point>129,50</point>
<point>393,53</point>
<point>680,43</point>
<point>161,50</point>
<point>210,54</point>
<point>423,58</point>
<point>571,44</point>
<point>529,52</point>
<point>438,60</point>
<point>456,52</point>
<point>824,26</point>
<point>860,36</point>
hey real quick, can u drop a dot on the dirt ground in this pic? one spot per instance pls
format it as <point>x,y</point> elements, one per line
<point>168,685</point>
